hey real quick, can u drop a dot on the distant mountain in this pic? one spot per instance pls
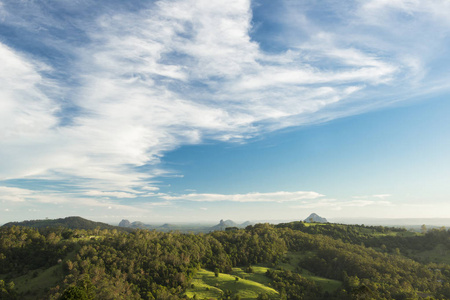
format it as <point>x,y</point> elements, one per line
<point>224,224</point>
<point>228,223</point>
<point>124,223</point>
<point>69,222</point>
<point>183,227</point>
<point>141,225</point>
<point>314,218</point>
<point>166,227</point>
<point>135,225</point>
<point>245,224</point>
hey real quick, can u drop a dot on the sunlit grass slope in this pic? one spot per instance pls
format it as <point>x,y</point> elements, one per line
<point>36,283</point>
<point>257,275</point>
<point>206,285</point>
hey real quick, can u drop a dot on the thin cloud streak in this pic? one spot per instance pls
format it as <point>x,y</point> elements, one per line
<point>333,204</point>
<point>27,198</point>
<point>250,197</point>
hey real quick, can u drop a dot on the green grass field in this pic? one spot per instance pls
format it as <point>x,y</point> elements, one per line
<point>258,275</point>
<point>206,285</point>
<point>439,254</point>
<point>36,283</point>
<point>329,285</point>
<point>250,285</point>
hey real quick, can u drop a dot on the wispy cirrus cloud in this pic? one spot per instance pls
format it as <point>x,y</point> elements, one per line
<point>333,204</point>
<point>17,197</point>
<point>381,10</point>
<point>250,197</point>
<point>377,196</point>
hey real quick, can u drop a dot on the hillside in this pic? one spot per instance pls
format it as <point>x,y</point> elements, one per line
<point>69,222</point>
<point>295,260</point>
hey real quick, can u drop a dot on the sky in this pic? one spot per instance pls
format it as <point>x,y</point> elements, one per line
<point>196,111</point>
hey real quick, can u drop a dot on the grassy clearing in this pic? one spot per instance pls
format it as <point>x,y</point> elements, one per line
<point>314,224</point>
<point>439,254</point>
<point>394,234</point>
<point>35,284</point>
<point>249,285</point>
<point>294,258</point>
<point>328,285</point>
<point>206,285</point>
<point>258,275</point>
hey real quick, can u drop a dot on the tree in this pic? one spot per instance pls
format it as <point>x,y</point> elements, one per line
<point>75,293</point>
<point>7,291</point>
<point>263,296</point>
<point>84,290</point>
<point>226,295</point>
<point>363,292</point>
<point>423,228</point>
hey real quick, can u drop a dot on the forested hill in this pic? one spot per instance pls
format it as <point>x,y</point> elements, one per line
<point>69,222</point>
<point>287,261</point>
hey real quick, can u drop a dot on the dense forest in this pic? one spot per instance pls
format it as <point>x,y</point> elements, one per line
<point>296,261</point>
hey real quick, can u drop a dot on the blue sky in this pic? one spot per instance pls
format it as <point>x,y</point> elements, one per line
<point>184,110</point>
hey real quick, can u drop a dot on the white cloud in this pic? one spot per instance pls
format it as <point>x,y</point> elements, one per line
<point>25,109</point>
<point>23,198</point>
<point>26,116</point>
<point>404,24</point>
<point>435,10</point>
<point>250,197</point>
<point>150,188</point>
<point>110,194</point>
<point>11,194</point>
<point>382,196</point>
<point>334,204</point>
<point>378,196</point>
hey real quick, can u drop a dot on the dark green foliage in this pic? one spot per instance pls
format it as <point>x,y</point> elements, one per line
<point>110,264</point>
<point>7,291</point>
<point>362,292</point>
<point>25,249</point>
<point>388,276</point>
<point>294,286</point>
<point>74,293</point>
<point>231,228</point>
<point>227,295</point>
<point>84,290</point>
<point>263,297</point>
